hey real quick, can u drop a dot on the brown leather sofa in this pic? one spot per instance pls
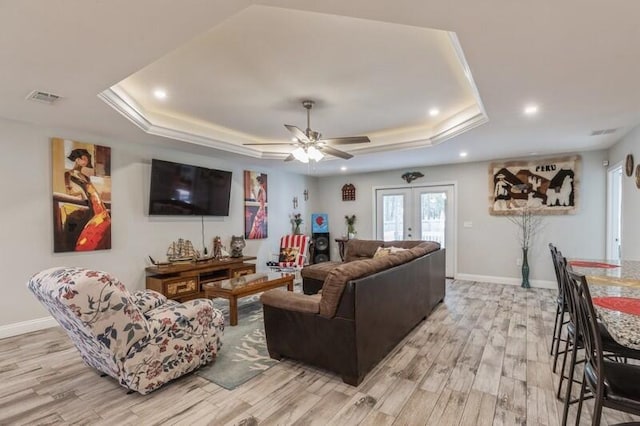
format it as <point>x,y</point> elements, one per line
<point>365,309</point>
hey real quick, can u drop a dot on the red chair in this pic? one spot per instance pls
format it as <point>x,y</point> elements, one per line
<point>293,252</point>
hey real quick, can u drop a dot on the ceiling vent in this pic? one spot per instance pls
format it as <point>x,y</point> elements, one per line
<point>603,132</point>
<point>44,97</point>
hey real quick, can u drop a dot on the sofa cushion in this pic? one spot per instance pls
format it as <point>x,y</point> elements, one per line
<point>402,243</point>
<point>318,271</point>
<point>361,249</point>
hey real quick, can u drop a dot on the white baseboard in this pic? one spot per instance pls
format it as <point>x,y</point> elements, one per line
<point>17,328</point>
<point>506,280</point>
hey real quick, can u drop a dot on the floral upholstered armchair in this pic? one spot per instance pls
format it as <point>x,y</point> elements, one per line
<point>141,339</point>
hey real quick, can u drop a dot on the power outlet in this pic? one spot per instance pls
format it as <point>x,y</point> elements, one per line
<point>519,261</point>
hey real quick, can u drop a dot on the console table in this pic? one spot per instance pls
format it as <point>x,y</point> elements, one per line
<point>183,281</point>
<point>341,246</point>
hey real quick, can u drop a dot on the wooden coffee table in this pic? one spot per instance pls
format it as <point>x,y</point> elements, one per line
<point>246,285</point>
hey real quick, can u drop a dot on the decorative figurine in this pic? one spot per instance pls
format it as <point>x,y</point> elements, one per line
<point>181,250</point>
<point>237,244</point>
<point>217,247</point>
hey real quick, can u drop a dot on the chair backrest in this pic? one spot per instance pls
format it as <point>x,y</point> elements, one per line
<point>565,283</point>
<point>96,311</point>
<point>588,325</point>
<point>554,258</point>
<point>293,250</point>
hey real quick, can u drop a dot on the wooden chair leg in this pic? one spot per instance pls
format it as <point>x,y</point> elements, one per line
<point>567,398</point>
<point>557,348</point>
<point>564,363</point>
<point>582,389</point>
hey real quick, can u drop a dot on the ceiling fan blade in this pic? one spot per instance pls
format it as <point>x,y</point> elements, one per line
<point>266,144</point>
<point>347,140</point>
<point>335,152</point>
<point>297,133</point>
<point>290,157</point>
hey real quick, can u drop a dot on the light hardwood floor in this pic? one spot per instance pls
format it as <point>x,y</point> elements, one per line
<point>481,358</point>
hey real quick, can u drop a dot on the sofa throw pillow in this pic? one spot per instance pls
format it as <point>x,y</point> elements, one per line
<point>381,252</point>
<point>393,249</point>
<point>288,254</point>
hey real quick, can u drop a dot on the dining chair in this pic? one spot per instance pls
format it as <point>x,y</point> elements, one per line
<point>561,309</point>
<point>612,384</point>
<point>574,341</point>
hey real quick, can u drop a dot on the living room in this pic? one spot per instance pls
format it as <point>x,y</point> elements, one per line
<point>485,247</point>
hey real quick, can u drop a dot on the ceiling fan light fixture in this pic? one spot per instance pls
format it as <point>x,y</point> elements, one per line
<point>314,153</point>
<point>300,155</point>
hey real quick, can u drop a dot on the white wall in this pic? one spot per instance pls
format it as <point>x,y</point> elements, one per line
<point>490,247</point>
<point>630,144</point>
<point>27,240</point>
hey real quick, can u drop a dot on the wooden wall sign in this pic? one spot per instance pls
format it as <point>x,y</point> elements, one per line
<point>348,192</point>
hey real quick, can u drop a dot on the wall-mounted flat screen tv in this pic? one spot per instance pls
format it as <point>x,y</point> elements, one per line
<point>181,189</point>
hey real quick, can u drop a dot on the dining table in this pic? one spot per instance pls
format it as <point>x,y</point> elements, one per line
<point>606,271</point>
<point>619,310</point>
<point>615,291</point>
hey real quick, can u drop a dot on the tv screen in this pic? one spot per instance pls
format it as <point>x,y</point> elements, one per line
<point>181,189</point>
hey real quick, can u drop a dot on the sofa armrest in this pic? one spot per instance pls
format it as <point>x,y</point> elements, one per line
<point>291,301</point>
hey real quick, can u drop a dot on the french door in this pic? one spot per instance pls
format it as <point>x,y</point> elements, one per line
<point>418,213</point>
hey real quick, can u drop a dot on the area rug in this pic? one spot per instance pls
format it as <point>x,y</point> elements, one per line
<point>244,349</point>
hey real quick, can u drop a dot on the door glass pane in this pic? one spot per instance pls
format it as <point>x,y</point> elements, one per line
<point>393,217</point>
<point>432,214</point>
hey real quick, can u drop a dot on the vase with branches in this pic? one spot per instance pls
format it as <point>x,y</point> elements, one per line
<point>351,230</point>
<point>528,222</point>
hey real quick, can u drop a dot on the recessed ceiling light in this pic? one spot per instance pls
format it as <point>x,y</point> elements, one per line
<point>294,139</point>
<point>463,154</point>
<point>434,111</point>
<point>531,109</point>
<point>343,168</point>
<point>160,94</point>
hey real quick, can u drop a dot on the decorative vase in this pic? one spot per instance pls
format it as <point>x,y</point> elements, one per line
<point>525,268</point>
<point>296,229</point>
<point>351,232</point>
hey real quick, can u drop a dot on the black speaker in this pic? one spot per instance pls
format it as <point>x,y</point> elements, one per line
<point>321,247</point>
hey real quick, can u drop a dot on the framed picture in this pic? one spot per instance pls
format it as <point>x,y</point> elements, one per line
<point>319,222</point>
<point>81,196</point>
<point>255,205</point>
<point>549,185</point>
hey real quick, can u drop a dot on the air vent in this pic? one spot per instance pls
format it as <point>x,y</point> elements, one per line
<point>603,132</point>
<point>44,97</point>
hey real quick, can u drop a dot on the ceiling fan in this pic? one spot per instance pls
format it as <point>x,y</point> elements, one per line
<point>309,143</point>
